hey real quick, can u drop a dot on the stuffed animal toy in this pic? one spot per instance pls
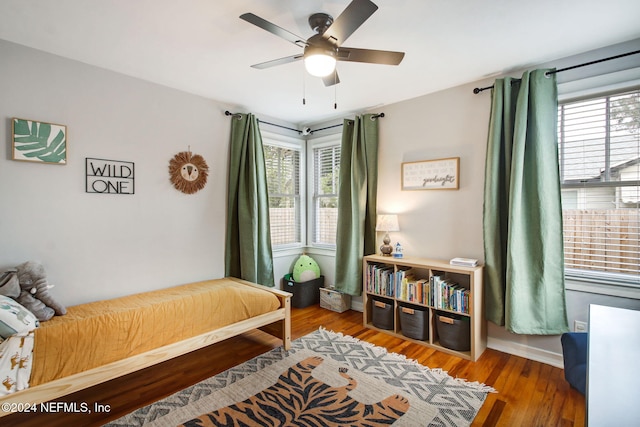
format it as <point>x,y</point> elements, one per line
<point>34,292</point>
<point>9,285</point>
<point>305,269</point>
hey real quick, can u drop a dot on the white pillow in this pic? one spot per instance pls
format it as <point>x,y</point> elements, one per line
<point>14,318</point>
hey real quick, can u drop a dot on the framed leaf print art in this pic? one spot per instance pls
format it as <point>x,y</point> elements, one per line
<point>39,141</point>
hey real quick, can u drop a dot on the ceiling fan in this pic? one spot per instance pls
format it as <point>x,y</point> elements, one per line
<point>323,49</point>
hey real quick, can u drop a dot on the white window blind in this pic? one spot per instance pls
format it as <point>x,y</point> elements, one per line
<point>283,182</point>
<point>599,154</point>
<point>326,167</point>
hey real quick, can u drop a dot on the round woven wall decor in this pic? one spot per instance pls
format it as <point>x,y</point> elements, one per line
<point>188,172</point>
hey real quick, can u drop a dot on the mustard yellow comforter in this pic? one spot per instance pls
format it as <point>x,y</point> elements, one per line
<point>93,334</point>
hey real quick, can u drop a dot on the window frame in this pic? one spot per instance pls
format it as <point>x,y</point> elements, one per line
<point>312,144</point>
<point>278,140</point>
<point>599,282</point>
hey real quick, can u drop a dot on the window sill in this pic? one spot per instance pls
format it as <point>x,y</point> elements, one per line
<point>299,250</point>
<point>616,290</point>
<point>287,251</point>
<point>321,250</point>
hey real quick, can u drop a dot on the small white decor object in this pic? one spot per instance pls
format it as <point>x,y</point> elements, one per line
<point>398,251</point>
<point>464,262</point>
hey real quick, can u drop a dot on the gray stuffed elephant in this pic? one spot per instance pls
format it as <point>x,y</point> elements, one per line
<point>34,292</point>
<point>9,285</point>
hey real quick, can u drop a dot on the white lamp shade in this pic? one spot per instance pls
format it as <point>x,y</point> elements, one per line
<point>319,65</point>
<point>387,223</point>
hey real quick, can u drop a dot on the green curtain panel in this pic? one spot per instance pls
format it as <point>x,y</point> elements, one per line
<point>357,192</point>
<point>248,242</point>
<point>524,259</point>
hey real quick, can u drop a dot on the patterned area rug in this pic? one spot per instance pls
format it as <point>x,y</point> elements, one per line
<point>326,379</point>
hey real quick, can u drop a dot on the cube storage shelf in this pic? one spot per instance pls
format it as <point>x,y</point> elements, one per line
<point>432,288</point>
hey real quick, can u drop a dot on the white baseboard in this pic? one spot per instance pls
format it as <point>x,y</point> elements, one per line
<point>539,355</point>
<point>357,305</point>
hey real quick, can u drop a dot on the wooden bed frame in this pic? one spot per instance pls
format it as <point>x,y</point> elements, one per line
<point>277,323</point>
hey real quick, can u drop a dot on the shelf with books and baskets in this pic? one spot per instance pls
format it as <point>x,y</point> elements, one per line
<point>431,302</point>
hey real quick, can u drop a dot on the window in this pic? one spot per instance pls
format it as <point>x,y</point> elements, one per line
<point>282,160</point>
<point>324,212</point>
<point>285,160</point>
<point>599,154</point>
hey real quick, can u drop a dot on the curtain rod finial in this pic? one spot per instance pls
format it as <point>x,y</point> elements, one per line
<point>236,115</point>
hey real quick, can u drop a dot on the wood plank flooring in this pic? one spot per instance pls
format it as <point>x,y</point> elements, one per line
<point>529,393</point>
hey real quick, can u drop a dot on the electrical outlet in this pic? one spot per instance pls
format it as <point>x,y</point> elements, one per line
<point>579,326</point>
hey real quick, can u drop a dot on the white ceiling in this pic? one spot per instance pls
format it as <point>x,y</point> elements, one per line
<point>202,47</point>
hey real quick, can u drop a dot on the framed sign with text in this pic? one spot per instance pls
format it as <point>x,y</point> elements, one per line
<point>439,174</point>
<point>109,176</point>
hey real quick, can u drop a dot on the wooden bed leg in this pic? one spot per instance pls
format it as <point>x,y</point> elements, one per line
<point>286,327</point>
<point>282,328</point>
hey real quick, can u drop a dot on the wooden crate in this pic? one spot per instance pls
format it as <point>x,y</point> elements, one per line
<point>334,300</point>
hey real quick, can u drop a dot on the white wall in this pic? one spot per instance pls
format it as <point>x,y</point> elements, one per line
<point>96,246</point>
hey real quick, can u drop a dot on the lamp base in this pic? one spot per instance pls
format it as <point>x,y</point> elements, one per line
<point>386,248</point>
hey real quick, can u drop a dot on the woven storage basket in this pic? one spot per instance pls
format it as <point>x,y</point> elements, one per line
<point>454,331</point>
<point>414,322</point>
<point>382,313</point>
<point>334,300</point>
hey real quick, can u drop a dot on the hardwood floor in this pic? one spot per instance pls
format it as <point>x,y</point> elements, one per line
<point>529,393</point>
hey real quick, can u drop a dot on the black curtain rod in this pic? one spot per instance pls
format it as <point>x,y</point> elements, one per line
<point>597,61</point>
<point>228,113</point>
<point>375,116</point>
<point>306,131</point>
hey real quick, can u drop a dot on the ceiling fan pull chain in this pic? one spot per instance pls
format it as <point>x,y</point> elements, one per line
<point>304,87</point>
<point>335,90</point>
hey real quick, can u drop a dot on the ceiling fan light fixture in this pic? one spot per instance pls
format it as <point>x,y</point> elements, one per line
<point>323,49</point>
<point>319,63</point>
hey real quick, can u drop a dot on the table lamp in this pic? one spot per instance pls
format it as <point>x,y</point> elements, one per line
<point>387,223</point>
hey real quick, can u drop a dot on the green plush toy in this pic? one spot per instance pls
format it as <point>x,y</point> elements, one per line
<point>305,269</point>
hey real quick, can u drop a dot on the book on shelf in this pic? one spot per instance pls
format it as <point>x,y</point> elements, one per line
<point>464,262</point>
<point>448,295</point>
<point>380,279</point>
<point>413,289</point>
